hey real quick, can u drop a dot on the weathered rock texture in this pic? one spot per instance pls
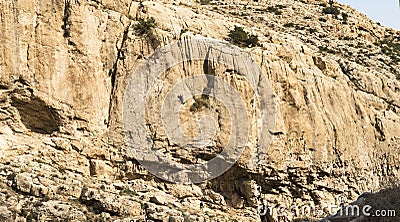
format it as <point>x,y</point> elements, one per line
<point>64,66</point>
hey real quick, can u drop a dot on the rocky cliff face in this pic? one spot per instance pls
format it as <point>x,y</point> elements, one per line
<point>64,67</point>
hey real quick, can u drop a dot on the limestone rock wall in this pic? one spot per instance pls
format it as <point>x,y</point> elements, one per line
<point>64,66</point>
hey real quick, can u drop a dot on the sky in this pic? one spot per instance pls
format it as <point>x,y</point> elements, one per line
<point>386,12</point>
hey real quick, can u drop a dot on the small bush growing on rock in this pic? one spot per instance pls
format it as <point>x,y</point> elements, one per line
<point>205,2</point>
<point>200,102</point>
<point>272,9</point>
<point>390,48</point>
<point>289,25</point>
<point>145,27</point>
<point>321,19</point>
<point>331,10</point>
<point>127,192</point>
<point>347,38</point>
<point>312,30</point>
<point>253,40</point>
<point>293,25</point>
<point>242,38</point>
<point>345,17</point>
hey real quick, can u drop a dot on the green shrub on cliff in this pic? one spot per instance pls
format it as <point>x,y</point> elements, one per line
<point>241,38</point>
<point>145,28</point>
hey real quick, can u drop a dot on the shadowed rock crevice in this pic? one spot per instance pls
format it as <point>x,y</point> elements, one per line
<point>66,19</point>
<point>36,115</point>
